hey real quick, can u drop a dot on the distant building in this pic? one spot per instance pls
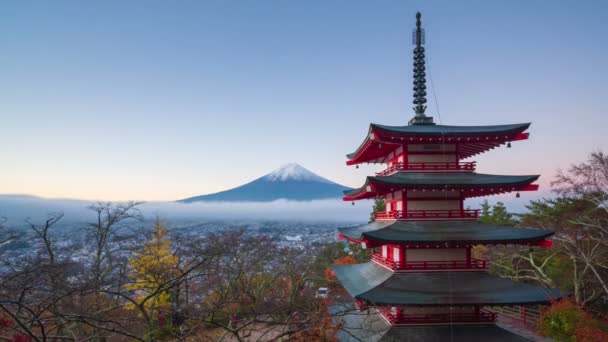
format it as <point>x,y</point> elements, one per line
<point>422,283</point>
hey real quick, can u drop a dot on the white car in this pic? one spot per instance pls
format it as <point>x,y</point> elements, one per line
<point>322,292</point>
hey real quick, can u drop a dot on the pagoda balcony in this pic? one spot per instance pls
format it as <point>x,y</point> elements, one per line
<point>428,167</point>
<point>413,215</point>
<point>483,316</point>
<point>473,264</point>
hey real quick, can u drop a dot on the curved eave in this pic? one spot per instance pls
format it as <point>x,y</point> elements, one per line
<point>472,184</point>
<point>441,232</point>
<point>453,131</point>
<point>471,140</point>
<point>378,286</point>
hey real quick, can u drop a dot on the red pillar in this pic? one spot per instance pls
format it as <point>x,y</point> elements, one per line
<point>398,314</point>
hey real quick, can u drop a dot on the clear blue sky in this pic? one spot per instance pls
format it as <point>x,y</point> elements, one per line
<point>162,100</point>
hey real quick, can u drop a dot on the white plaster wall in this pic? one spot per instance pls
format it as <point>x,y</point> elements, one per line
<point>433,205</point>
<point>412,310</point>
<point>427,194</point>
<point>431,158</point>
<point>438,254</point>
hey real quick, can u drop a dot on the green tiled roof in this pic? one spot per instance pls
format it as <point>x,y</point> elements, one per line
<point>444,130</point>
<point>447,180</point>
<point>376,285</point>
<point>466,232</point>
<point>452,130</point>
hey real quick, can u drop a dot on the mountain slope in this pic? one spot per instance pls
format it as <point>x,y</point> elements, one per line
<point>291,182</point>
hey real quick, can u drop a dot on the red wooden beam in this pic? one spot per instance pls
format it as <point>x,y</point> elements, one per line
<point>543,243</point>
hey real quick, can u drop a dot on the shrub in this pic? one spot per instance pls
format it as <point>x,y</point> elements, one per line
<point>561,320</point>
<point>591,334</point>
<point>567,321</point>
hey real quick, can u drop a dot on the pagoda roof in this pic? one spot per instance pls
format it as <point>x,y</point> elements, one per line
<point>442,130</point>
<point>377,285</point>
<point>434,232</point>
<point>470,140</point>
<point>368,325</point>
<point>441,181</point>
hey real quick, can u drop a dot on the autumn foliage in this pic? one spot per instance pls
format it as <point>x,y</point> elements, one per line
<point>345,260</point>
<point>152,267</point>
<point>567,321</point>
<point>6,326</point>
<point>324,328</point>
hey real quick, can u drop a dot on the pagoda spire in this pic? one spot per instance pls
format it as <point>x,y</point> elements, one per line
<point>419,77</point>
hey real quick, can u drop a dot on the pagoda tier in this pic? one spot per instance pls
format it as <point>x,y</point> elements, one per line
<point>371,326</point>
<point>376,285</point>
<point>384,142</point>
<point>468,184</point>
<point>447,234</point>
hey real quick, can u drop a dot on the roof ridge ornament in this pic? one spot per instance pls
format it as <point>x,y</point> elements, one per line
<point>419,77</point>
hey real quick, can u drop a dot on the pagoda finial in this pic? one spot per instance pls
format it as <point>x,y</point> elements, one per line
<point>419,77</point>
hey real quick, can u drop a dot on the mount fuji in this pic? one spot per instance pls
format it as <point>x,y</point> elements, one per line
<point>290,182</point>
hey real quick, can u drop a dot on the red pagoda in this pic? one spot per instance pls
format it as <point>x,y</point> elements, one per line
<point>422,282</point>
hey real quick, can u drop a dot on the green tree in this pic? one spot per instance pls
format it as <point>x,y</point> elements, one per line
<point>579,245</point>
<point>496,214</point>
<point>379,206</point>
<point>500,215</point>
<point>486,212</point>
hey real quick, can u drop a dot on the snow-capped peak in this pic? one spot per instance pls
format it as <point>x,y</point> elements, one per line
<point>293,171</point>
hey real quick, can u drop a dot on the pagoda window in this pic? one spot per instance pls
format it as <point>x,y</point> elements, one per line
<point>399,206</point>
<point>385,251</point>
<point>396,254</point>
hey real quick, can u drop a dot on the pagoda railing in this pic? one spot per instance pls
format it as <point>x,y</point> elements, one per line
<point>473,264</point>
<point>428,167</point>
<point>467,214</point>
<point>377,257</point>
<point>482,316</point>
<point>476,264</point>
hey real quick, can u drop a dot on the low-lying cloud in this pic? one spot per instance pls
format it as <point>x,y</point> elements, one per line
<point>18,208</point>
